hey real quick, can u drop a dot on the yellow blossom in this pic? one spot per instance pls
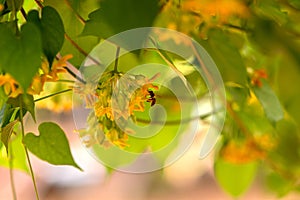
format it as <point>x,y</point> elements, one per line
<point>249,150</point>
<point>10,86</point>
<point>100,111</point>
<point>221,9</point>
<point>58,67</point>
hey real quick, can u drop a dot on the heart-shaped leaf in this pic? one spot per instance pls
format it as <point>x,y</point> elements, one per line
<point>20,55</point>
<point>51,145</point>
<point>52,30</point>
<point>235,178</point>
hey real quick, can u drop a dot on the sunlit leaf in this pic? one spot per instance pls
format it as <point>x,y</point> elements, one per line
<point>20,55</point>
<point>269,101</point>
<point>50,145</point>
<point>235,178</point>
<point>52,30</point>
<point>17,153</point>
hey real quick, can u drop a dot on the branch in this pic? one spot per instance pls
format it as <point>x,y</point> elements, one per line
<point>78,16</point>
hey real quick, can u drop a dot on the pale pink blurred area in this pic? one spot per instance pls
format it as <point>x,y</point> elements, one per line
<point>187,179</point>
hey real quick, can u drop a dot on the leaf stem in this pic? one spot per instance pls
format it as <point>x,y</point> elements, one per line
<point>11,174</point>
<point>26,152</point>
<point>74,75</point>
<point>117,59</point>
<point>51,95</point>
<point>174,122</point>
<point>39,3</point>
<point>73,43</point>
<point>23,12</point>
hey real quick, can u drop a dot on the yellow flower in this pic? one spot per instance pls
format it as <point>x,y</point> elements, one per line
<point>58,67</point>
<point>101,111</point>
<point>111,102</point>
<point>36,86</point>
<point>116,138</point>
<point>240,152</point>
<point>221,9</point>
<point>10,85</point>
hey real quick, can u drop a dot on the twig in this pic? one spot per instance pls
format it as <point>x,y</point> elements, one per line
<point>26,152</point>
<point>67,37</point>
<point>51,95</point>
<point>78,16</point>
<point>117,59</point>
<point>11,174</point>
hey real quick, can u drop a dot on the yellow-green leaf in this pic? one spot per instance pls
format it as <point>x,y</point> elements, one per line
<point>235,178</point>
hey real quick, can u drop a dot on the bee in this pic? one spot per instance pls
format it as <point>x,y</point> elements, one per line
<point>152,98</point>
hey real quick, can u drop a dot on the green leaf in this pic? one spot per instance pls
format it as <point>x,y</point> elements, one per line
<point>226,56</point>
<point>27,103</point>
<point>8,115</point>
<point>20,55</point>
<point>14,4</point>
<point>6,133</point>
<point>278,184</point>
<point>52,30</point>
<point>234,178</point>
<point>295,3</point>
<point>51,145</point>
<point>17,153</point>
<point>74,27</point>
<point>269,101</point>
<point>115,16</point>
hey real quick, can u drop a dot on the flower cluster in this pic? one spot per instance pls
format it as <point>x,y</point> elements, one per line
<point>248,150</point>
<point>116,98</point>
<point>45,74</point>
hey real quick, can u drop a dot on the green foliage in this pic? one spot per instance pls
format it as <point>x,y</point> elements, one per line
<point>269,102</point>
<point>116,16</point>
<point>51,28</point>
<point>16,153</point>
<point>265,36</point>
<point>226,55</point>
<point>20,55</point>
<point>235,178</point>
<point>50,145</point>
<point>6,132</point>
<point>27,102</point>
<point>278,184</point>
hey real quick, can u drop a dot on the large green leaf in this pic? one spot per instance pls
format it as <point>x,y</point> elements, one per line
<point>20,55</point>
<point>51,145</point>
<point>269,101</point>
<point>234,178</point>
<point>52,30</point>
<point>115,16</point>
<point>74,27</point>
<point>226,56</point>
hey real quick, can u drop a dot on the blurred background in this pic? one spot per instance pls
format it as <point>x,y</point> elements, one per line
<point>256,47</point>
<point>189,178</point>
